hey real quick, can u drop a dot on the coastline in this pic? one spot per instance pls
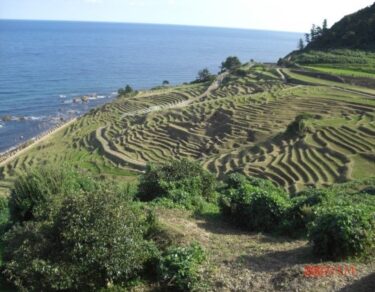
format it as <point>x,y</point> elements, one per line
<point>13,153</point>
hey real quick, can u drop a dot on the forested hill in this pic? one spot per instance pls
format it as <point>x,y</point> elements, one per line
<point>355,31</point>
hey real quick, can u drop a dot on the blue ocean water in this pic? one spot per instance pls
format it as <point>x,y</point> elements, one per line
<point>44,65</point>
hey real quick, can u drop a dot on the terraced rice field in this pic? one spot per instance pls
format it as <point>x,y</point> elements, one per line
<point>235,124</point>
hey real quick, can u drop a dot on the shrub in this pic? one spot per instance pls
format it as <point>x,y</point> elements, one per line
<point>32,191</point>
<point>179,267</point>
<point>300,126</point>
<point>254,204</point>
<point>182,182</point>
<point>4,215</point>
<point>302,211</point>
<point>230,63</point>
<point>93,240</point>
<point>204,75</point>
<point>341,232</point>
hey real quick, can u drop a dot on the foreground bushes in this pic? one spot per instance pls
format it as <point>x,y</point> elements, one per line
<point>254,204</point>
<point>183,182</point>
<point>338,224</point>
<point>69,232</point>
<point>94,239</point>
<point>33,191</point>
<point>302,211</point>
<point>341,232</point>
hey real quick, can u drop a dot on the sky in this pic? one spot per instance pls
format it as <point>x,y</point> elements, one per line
<point>280,15</point>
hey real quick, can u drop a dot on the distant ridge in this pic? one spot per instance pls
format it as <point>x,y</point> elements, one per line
<point>354,31</point>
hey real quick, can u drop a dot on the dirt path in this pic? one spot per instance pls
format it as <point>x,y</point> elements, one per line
<point>243,261</point>
<point>215,85</point>
<point>39,140</point>
<point>282,75</point>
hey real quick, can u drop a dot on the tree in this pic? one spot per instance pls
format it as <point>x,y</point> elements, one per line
<point>93,240</point>
<point>230,63</point>
<point>204,75</point>
<point>301,44</point>
<point>307,38</point>
<point>128,90</point>
<point>325,25</point>
<point>165,83</point>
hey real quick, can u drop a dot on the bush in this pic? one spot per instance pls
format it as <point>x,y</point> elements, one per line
<point>253,204</point>
<point>302,211</point>
<point>342,232</point>
<point>92,241</point>
<point>179,267</point>
<point>300,126</point>
<point>4,215</point>
<point>204,76</point>
<point>32,191</point>
<point>183,182</point>
<point>230,63</point>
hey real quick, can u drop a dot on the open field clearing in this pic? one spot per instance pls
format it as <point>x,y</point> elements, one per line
<point>237,124</point>
<point>242,261</point>
<point>340,71</point>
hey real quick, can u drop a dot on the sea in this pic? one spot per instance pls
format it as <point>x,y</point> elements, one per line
<point>47,66</point>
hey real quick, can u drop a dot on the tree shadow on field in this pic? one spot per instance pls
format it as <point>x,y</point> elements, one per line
<point>365,284</point>
<point>218,225</point>
<point>277,260</point>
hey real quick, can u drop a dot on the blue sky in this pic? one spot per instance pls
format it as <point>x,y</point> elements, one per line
<point>285,15</point>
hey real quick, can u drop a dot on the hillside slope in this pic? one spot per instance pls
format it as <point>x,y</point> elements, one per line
<point>355,31</point>
<point>239,125</point>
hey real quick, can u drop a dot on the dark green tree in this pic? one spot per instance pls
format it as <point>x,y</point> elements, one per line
<point>93,240</point>
<point>307,38</point>
<point>165,83</point>
<point>204,75</point>
<point>230,63</point>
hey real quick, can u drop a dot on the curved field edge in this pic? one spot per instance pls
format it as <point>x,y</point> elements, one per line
<point>237,123</point>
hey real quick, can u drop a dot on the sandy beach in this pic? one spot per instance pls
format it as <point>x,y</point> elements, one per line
<point>8,156</point>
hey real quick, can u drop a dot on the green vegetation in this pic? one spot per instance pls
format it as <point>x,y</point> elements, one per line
<point>268,168</point>
<point>182,182</point>
<point>343,231</point>
<point>204,75</point>
<point>238,125</point>
<point>33,191</point>
<point>253,204</point>
<point>355,31</point>
<point>85,234</point>
<point>355,61</point>
<point>179,267</point>
<point>93,240</point>
<point>230,63</point>
<point>126,91</point>
<point>81,234</point>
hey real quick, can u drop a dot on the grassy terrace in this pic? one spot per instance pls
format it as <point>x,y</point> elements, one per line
<point>239,126</point>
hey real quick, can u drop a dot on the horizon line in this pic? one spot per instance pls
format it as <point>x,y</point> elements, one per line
<point>149,23</point>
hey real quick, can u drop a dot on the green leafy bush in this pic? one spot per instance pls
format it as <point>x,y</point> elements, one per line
<point>230,63</point>
<point>340,232</point>
<point>183,182</point>
<point>253,204</point>
<point>179,267</point>
<point>93,240</point>
<point>4,215</point>
<point>32,191</point>
<point>302,211</point>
